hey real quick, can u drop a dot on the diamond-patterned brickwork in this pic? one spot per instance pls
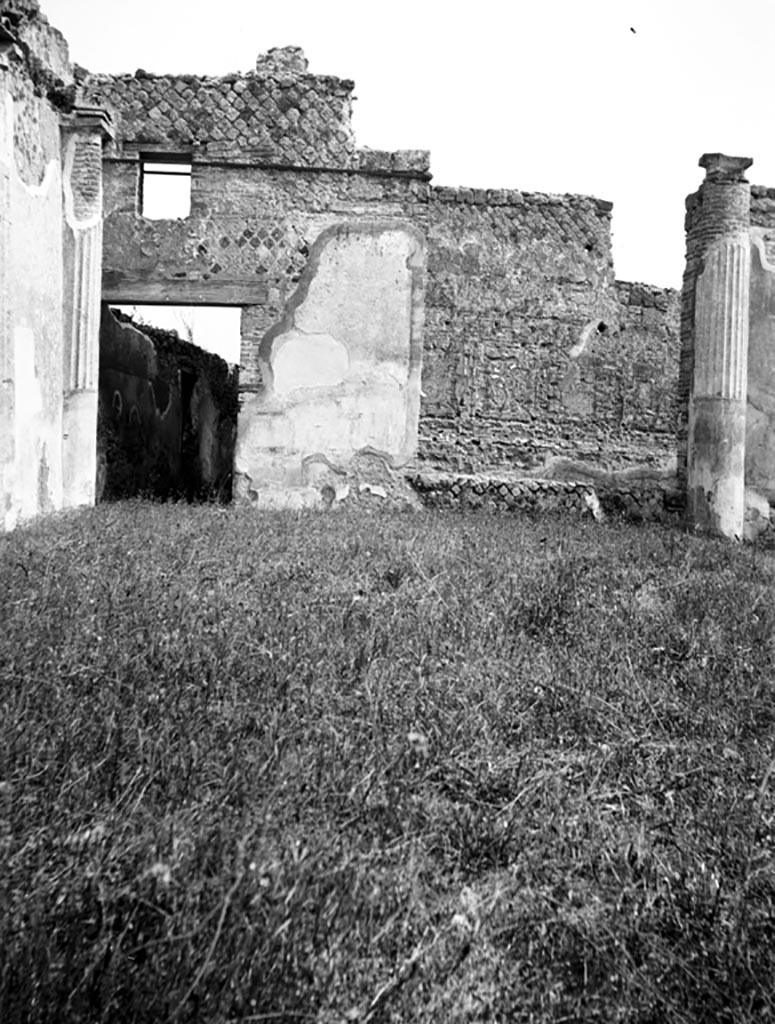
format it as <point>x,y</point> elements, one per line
<point>301,121</point>
<point>539,497</point>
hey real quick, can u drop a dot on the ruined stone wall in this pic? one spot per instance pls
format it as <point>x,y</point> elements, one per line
<point>50,270</point>
<point>648,340</point>
<point>167,414</point>
<point>760,407</point>
<point>532,351</point>
<point>31,275</point>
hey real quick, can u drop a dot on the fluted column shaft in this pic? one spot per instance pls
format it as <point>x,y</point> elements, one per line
<point>717,401</point>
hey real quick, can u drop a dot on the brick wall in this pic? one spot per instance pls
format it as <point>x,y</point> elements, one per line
<point>532,350</point>
<point>275,116</point>
<point>648,342</point>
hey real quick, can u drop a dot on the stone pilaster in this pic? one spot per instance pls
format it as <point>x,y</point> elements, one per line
<point>83,135</point>
<point>719,252</point>
<point>10,53</point>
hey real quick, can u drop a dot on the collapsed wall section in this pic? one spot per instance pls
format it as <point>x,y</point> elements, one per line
<point>533,351</point>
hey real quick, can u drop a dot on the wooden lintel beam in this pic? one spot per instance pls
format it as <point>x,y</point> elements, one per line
<point>123,289</point>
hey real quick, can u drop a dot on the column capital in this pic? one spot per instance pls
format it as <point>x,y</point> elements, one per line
<point>90,121</point>
<point>720,167</point>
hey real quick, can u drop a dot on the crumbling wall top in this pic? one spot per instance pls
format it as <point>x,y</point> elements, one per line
<point>515,197</point>
<point>281,115</point>
<point>282,62</point>
<point>42,47</point>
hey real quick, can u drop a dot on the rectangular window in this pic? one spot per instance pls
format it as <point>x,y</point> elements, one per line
<point>165,187</point>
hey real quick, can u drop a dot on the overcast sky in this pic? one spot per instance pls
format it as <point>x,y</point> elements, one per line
<point>545,96</point>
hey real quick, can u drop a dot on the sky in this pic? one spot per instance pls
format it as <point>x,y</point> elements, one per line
<point>612,98</point>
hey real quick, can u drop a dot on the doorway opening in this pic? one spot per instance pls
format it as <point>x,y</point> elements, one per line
<point>168,401</point>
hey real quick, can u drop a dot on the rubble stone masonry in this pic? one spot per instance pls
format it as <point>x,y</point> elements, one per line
<point>533,351</point>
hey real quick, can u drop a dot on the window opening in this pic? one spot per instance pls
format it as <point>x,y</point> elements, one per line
<point>165,188</point>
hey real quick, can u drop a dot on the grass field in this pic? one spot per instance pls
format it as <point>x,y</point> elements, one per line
<point>350,767</point>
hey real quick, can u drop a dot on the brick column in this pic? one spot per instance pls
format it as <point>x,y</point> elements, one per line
<point>720,247</point>
<point>83,133</point>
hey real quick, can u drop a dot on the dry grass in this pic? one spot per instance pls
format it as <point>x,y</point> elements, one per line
<point>346,767</point>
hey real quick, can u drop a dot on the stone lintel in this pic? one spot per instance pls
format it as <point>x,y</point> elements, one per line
<point>720,167</point>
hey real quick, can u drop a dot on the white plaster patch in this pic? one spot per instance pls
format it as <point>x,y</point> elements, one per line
<point>339,373</point>
<point>362,286</point>
<point>301,360</point>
